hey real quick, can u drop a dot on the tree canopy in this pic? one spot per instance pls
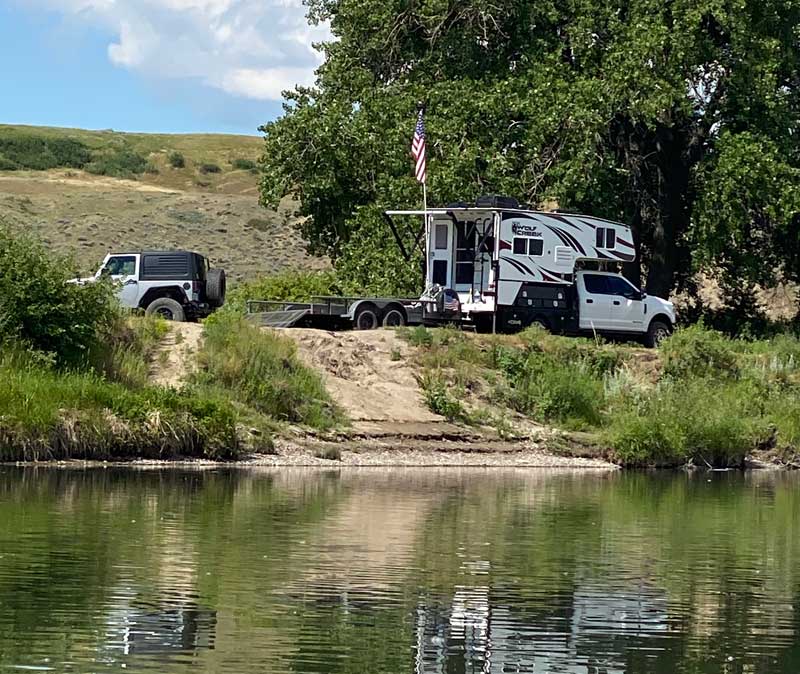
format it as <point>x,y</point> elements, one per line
<point>679,117</point>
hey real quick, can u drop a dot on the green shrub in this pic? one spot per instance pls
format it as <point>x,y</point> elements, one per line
<point>712,422</point>
<point>261,369</point>
<point>152,168</point>
<point>40,309</point>
<point>244,165</point>
<point>549,390</point>
<point>121,163</point>
<point>126,355</point>
<point>698,352</point>
<point>209,168</point>
<point>176,160</point>
<point>439,398</point>
<point>26,151</point>
<point>291,286</point>
<point>418,336</point>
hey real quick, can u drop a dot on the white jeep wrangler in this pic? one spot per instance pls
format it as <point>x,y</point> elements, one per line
<point>177,285</point>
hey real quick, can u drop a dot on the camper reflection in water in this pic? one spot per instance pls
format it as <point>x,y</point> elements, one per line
<point>136,628</point>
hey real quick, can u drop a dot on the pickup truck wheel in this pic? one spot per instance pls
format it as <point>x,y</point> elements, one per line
<point>657,332</point>
<point>366,318</point>
<point>166,308</point>
<point>216,287</point>
<point>394,318</point>
<point>542,323</point>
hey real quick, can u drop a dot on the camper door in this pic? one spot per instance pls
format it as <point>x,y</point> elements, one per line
<point>441,251</point>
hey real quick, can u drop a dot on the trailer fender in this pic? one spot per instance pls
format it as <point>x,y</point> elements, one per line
<point>366,316</point>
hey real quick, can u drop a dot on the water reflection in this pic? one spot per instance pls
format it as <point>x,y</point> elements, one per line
<point>400,570</point>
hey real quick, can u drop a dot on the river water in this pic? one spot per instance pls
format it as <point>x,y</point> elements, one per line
<point>398,570</point>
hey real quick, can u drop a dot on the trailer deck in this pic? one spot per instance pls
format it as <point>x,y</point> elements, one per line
<point>334,313</point>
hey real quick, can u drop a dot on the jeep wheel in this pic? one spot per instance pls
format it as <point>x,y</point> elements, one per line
<point>166,308</point>
<point>216,287</point>
<point>656,333</point>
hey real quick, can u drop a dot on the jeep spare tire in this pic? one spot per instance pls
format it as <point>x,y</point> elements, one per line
<point>216,287</point>
<point>166,308</point>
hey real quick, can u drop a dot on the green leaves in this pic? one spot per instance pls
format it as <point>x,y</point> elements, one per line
<point>39,308</point>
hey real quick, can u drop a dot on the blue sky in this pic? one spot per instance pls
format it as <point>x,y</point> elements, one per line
<point>173,66</point>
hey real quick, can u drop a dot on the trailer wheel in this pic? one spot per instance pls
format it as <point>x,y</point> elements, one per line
<point>366,318</point>
<point>394,318</point>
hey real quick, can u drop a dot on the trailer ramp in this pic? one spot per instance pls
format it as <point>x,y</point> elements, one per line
<point>279,319</point>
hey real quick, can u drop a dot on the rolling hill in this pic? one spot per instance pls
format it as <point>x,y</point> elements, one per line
<point>87,192</point>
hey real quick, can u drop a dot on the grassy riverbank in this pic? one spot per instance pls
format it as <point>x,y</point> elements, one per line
<point>77,375</point>
<point>703,398</point>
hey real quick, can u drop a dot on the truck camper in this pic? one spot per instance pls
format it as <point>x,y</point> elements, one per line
<point>500,266</point>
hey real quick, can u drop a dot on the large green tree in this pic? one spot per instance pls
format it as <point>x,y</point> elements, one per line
<point>680,117</point>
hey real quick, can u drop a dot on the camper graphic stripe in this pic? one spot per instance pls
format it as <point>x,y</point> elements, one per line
<point>418,148</point>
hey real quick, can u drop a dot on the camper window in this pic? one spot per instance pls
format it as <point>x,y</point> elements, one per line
<point>606,237</point>
<point>520,246</point>
<point>535,247</point>
<point>441,233</point>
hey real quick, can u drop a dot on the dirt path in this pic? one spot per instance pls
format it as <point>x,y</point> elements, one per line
<point>174,361</point>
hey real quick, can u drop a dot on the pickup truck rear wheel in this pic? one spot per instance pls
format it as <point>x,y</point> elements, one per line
<point>166,308</point>
<point>657,332</point>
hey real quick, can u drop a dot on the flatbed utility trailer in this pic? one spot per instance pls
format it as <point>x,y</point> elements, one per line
<point>336,313</point>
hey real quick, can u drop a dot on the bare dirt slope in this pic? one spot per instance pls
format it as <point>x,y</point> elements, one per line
<point>367,373</point>
<point>175,360</point>
<point>371,375</point>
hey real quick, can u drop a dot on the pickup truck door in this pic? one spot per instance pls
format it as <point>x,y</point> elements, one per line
<point>124,271</point>
<point>594,302</point>
<point>627,307</point>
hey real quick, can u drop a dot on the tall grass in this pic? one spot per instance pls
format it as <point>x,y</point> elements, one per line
<point>261,369</point>
<point>710,401</point>
<point>50,414</point>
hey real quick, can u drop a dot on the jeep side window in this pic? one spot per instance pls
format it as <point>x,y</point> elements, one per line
<point>121,265</point>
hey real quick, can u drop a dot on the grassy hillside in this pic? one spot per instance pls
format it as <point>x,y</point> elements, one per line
<point>88,192</point>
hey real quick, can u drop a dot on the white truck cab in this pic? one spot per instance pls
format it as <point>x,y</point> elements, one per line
<point>610,303</point>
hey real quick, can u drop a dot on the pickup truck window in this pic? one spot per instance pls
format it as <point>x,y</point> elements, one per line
<point>596,284</point>
<point>619,286</point>
<point>121,265</point>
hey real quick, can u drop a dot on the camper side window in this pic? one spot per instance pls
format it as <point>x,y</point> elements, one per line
<point>606,237</point>
<point>441,233</point>
<point>528,247</point>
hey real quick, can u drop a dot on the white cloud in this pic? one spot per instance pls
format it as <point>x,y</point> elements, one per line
<point>249,48</point>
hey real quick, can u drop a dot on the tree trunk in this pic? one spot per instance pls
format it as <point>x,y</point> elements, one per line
<point>673,217</point>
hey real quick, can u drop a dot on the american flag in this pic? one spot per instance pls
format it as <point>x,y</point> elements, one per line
<point>418,148</point>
